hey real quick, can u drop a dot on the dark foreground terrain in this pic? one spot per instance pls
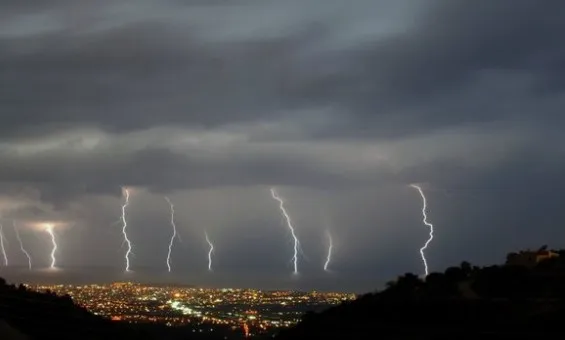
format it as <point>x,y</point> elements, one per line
<point>464,302</point>
<point>521,301</point>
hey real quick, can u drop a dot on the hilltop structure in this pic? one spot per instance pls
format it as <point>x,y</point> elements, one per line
<point>529,258</point>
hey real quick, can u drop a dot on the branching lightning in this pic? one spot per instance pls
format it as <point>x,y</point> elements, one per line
<point>125,226</point>
<point>2,246</point>
<point>330,248</point>
<point>22,245</point>
<point>174,233</point>
<point>425,221</point>
<point>210,251</point>
<point>290,226</point>
<point>49,230</point>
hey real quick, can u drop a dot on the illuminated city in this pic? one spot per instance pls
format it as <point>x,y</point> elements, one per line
<point>254,311</point>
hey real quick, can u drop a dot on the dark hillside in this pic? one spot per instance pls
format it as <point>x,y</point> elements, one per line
<point>517,300</point>
<point>41,315</point>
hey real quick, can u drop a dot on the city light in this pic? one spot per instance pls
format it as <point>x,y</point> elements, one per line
<point>203,308</point>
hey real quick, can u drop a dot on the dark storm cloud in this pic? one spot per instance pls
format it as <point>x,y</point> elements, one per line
<point>459,63</point>
<point>456,63</point>
<point>61,176</point>
<point>140,75</point>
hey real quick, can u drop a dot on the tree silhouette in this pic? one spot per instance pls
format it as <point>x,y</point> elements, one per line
<point>405,286</point>
<point>509,300</point>
<point>466,268</point>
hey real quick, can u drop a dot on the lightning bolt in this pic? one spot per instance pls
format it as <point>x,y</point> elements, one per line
<point>125,193</point>
<point>174,233</point>
<point>2,246</point>
<point>22,245</point>
<point>49,230</point>
<point>330,248</point>
<point>425,221</point>
<point>289,224</point>
<point>209,251</point>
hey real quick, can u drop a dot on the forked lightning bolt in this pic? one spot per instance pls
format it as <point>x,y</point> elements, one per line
<point>210,251</point>
<point>2,246</point>
<point>125,226</point>
<point>49,230</point>
<point>425,220</point>
<point>22,245</point>
<point>290,226</point>
<point>174,233</point>
<point>330,248</point>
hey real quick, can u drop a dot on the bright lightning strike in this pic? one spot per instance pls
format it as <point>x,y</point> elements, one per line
<point>22,245</point>
<point>425,220</point>
<point>49,230</point>
<point>289,224</point>
<point>174,233</point>
<point>2,246</point>
<point>125,193</point>
<point>330,248</point>
<point>209,251</point>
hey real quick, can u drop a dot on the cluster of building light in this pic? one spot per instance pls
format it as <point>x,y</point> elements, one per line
<point>253,311</point>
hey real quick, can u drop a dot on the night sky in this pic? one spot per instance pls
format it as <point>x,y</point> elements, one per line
<point>340,105</point>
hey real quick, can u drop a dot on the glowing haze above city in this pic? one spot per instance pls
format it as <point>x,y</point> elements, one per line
<point>315,144</point>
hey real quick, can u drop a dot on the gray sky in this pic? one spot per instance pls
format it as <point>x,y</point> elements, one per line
<point>339,104</point>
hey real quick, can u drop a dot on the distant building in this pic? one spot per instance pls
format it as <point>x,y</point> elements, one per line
<point>530,258</point>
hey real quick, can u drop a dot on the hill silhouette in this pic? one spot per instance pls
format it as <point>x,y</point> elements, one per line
<point>524,299</point>
<point>26,314</point>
